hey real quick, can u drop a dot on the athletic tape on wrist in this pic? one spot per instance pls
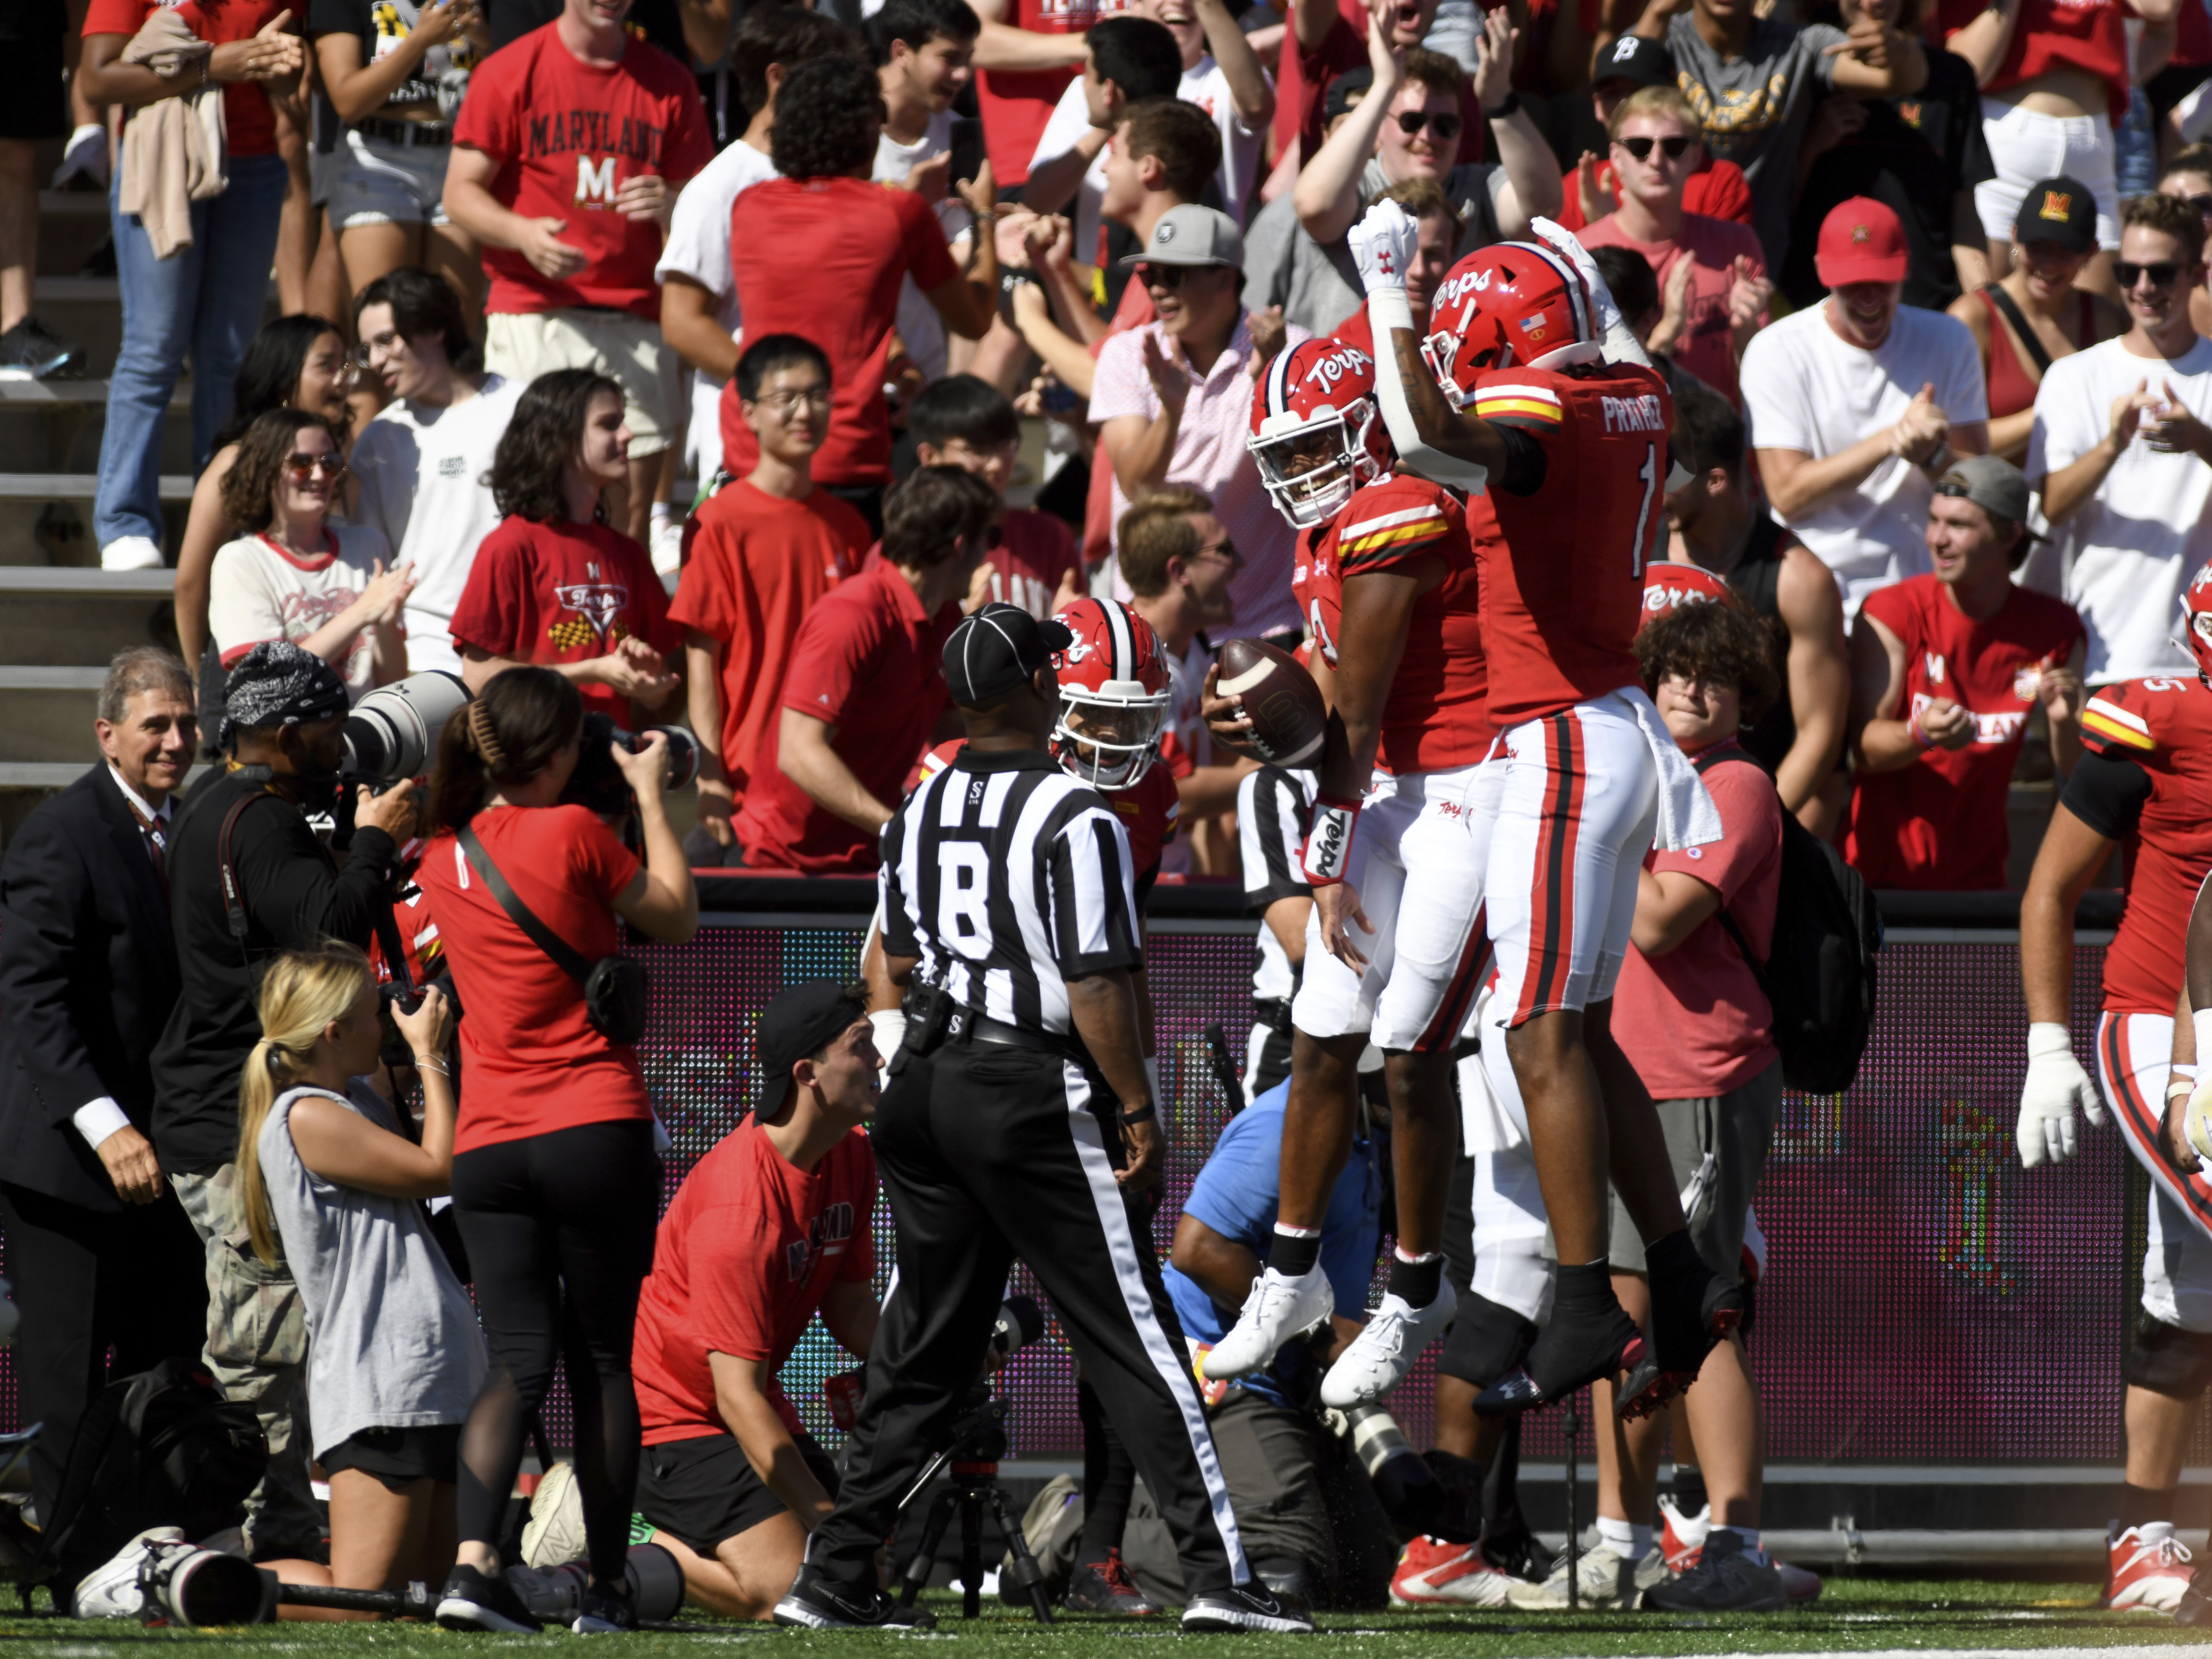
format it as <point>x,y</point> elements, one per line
<point>1329,847</point>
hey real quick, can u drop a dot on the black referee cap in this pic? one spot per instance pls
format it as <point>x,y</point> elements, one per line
<point>800,1021</point>
<point>997,649</point>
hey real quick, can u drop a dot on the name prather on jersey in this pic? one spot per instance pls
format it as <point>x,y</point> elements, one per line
<point>1640,413</point>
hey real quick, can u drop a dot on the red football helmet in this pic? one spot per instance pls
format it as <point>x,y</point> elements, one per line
<point>2196,622</point>
<point>1113,694</point>
<point>1511,304</point>
<point>1317,434</point>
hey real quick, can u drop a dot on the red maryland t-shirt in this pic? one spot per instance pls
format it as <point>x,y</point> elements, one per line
<point>865,664</point>
<point>742,1260</point>
<point>568,135</point>
<point>1694,1022</point>
<point>1940,823</point>
<point>822,258</point>
<point>533,1062</point>
<point>563,593</point>
<point>757,563</point>
<point>249,124</point>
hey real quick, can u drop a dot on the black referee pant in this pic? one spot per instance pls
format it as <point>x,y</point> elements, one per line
<point>989,1153</point>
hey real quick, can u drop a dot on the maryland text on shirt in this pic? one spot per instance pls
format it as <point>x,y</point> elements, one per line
<point>593,132</point>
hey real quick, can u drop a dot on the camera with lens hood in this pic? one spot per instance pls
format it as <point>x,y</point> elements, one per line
<point>392,733</point>
<point>598,783</point>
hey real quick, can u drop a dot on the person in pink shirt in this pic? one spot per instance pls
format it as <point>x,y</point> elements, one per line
<point>1657,142</point>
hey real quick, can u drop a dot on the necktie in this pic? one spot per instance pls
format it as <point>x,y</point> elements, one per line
<point>154,831</point>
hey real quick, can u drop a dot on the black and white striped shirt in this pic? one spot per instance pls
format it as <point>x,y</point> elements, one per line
<point>1274,812</point>
<point>1007,878</point>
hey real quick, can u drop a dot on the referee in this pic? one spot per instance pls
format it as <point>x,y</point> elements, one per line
<point>1008,911</point>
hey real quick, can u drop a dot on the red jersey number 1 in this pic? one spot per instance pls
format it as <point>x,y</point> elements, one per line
<point>1648,472</point>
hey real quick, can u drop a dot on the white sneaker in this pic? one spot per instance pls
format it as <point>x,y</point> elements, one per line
<point>113,1590</point>
<point>2147,1574</point>
<point>667,537</point>
<point>1433,1573</point>
<point>85,154</point>
<point>1604,1576</point>
<point>1278,1309</point>
<point>554,1534</point>
<point>1386,1348</point>
<point>131,553</point>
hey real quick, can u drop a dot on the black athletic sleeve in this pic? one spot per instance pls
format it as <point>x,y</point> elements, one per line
<point>1526,463</point>
<point>1093,915</point>
<point>2107,792</point>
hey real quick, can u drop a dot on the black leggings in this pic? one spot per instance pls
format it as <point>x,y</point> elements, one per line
<point>559,1229</point>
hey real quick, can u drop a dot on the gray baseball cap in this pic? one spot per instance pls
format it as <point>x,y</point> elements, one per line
<point>1991,483</point>
<point>1192,235</point>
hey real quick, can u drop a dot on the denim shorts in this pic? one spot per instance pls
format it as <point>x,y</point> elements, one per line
<point>376,183</point>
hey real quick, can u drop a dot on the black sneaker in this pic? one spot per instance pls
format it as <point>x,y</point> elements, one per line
<point>1727,1578</point>
<point>1105,1587</point>
<point>818,1602</point>
<point>603,1611</point>
<point>2195,1608</point>
<point>29,352</point>
<point>474,1601</point>
<point>1520,1556</point>
<point>1242,1607</point>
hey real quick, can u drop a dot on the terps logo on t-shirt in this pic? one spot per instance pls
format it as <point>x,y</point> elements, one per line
<point>826,1237</point>
<point>596,609</point>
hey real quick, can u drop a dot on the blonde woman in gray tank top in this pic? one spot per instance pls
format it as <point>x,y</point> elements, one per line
<point>324,1173</point>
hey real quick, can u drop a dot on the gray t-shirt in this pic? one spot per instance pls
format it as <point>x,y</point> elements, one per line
<point>392,1342</point>
<point>1755,109</point>
<point>1318,287</point>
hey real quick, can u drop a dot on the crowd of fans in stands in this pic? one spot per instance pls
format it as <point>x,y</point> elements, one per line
<point>686,347</point>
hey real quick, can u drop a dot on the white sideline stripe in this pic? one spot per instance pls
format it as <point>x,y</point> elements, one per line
<point>2157,1651</point>
<point>1114,1220</point>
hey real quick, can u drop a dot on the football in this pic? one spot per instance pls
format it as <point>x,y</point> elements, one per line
<point>1290,721</point>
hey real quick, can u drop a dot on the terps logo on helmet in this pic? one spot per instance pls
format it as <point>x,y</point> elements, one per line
<point>2056,204</point>
<point>1346,361</point>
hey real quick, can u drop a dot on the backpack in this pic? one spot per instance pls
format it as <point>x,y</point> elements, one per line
<point>1819,975</point>
<point>163,1448</point>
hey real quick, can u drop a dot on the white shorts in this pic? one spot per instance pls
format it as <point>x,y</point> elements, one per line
<point>702,436</point>
<point>2133,1053</point>
<point>1575,819</point>
<point>1429,833</point>
<point>627,349</point>
<point>2026,148</point>
<point>375,183</point>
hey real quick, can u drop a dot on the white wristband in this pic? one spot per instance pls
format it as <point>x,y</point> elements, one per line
<point>889,1027</point>
<point>1329,843</point>
<point>2048,1037</point>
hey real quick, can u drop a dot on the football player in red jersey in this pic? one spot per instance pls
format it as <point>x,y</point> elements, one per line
<point>1389,585</point>
<point>1570,455</point>
<point>2145,772</point>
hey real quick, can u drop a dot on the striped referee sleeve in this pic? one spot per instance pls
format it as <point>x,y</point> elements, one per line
<point>895,880</point>
<point>1273,816</point>
<point>1092,889</point>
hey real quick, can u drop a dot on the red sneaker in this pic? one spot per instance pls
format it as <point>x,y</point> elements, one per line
<point>1433,1573</point>
<point>1681,1536</point>
<point>2146,1575</point>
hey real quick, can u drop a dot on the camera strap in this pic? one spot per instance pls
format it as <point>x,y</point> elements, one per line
<point>234,903</point>
<point>566,957</point>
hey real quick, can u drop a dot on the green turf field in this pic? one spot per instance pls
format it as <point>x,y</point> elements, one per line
<point>1855,1615</point>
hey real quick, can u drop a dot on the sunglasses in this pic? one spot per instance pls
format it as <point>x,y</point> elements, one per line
<point>299,467</point>
<point>1675,146</point>
<point>1168,276</point>
<point>1445,123</point>
<point>2201,203</point>
<point>2162,273</point>
<point>1225,552</point>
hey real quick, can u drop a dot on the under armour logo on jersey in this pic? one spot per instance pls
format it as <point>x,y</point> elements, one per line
<point>1932,664</point>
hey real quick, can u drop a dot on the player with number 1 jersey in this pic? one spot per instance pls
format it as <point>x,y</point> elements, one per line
<point>1549,400</point>
<point>1387,577</point>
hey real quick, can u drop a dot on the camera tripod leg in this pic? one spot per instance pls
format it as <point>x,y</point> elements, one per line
<point>1572,1423</point>
<point>916,1575</point>
<point>971,1555</point>
<point>1025,1575</point>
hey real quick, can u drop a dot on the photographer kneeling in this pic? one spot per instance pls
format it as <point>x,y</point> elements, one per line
<point>248,881</point>
<point>556,1185</point>
<point>395,1356</point>
<point>769,1227</point>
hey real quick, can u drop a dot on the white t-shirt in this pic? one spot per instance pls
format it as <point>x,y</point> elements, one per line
<point>423,473</point>
<point>920,328</point>
<point>257,591</point>
<point>1206,86</point>
<point>1806,388</point>
<point>698,247</point>
<point>2128,552</point>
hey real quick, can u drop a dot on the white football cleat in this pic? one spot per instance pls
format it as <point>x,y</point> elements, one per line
<point>1386,1348</point>
<point>1279,1308</point>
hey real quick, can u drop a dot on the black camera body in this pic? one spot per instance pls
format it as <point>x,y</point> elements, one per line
<point>598,783</point>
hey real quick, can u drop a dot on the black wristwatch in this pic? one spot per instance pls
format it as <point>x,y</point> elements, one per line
<point>1506,110</point>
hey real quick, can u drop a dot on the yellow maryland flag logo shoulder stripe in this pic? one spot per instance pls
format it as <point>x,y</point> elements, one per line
<point>1523,398</point>
<point>1390,530</point>
<point>2116,725</point>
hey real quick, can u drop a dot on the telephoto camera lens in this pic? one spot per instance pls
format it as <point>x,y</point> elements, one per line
<point>392,733</point>
<point>1020,1323</point>
<point>195,1588</point>
<point>682,753</point>
<point>1404,1484</point>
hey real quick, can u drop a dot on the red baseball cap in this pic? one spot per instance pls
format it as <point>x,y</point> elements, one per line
<point>1861,241</point>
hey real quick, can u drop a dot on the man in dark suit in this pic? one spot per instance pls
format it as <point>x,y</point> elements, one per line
<point>98,1248</point>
